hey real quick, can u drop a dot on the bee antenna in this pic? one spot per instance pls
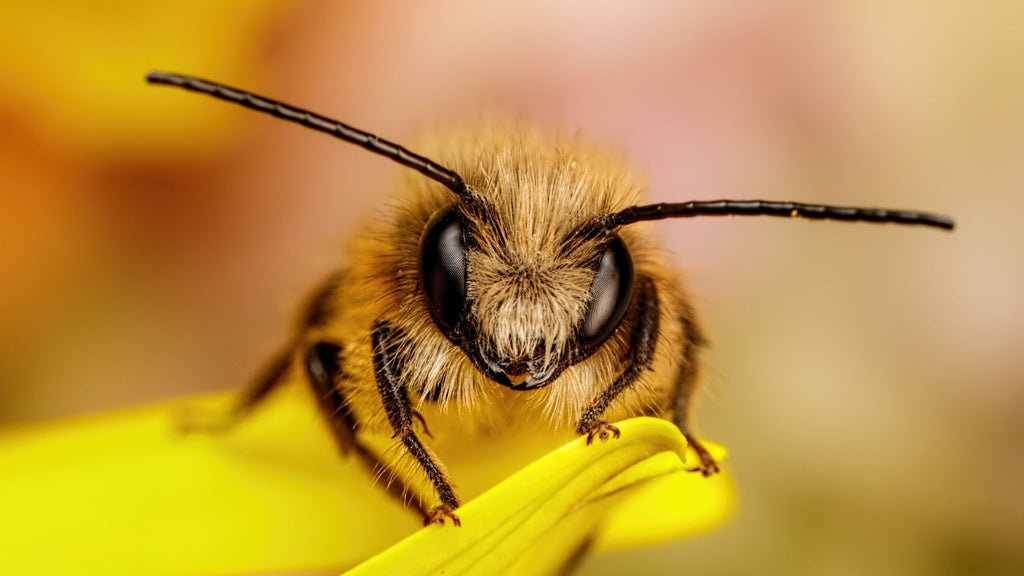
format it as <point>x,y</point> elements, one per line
<point>766,208</point>
<point>373,143</point>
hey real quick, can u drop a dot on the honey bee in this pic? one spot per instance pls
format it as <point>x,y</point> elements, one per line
<point>508,281</point>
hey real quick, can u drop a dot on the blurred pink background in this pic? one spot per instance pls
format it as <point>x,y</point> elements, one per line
<point>867,380</point>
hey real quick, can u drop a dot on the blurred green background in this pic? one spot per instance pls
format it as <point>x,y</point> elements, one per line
<point>869,381</point>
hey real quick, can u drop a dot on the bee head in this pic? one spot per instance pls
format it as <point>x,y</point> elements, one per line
<point>518,278</point>
<point>522,316</point>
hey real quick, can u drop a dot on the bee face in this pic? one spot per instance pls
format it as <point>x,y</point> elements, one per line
<point>522,315</point>
<point>519,278</point>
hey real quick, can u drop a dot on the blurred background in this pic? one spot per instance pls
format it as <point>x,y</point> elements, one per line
<point>867,380</point>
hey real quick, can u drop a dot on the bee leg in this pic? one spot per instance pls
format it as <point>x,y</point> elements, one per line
<point>323,368</point>
<point>686,384</point>
<point>387,367</point>
<point>437,514</point>
<point>323,365</point>
<point>222,421</point>
<point>645,338</point>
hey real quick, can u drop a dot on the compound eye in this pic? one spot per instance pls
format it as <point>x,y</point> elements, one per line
<point>609,294</point>
<point>443,268</point>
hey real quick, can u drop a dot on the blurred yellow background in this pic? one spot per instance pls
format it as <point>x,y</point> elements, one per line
<point>867,380</point>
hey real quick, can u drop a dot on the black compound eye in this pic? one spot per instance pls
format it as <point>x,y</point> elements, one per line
<point>609,294</point>
<point>443,268</point>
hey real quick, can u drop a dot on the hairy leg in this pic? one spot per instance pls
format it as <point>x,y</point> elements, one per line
<point>686,385</point>
<point>645,338</point>
<point>388,369</point>
<point>323,366</point>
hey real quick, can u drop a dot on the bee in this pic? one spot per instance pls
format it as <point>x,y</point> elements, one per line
<point>508,281</point>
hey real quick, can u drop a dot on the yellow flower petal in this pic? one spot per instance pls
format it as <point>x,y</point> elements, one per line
<point>536,520</point>
<point>670,507</point>
<point>127,493</point>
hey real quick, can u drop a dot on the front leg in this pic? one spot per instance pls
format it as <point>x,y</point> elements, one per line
<point>645,339</point>
<point>387,368</point>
